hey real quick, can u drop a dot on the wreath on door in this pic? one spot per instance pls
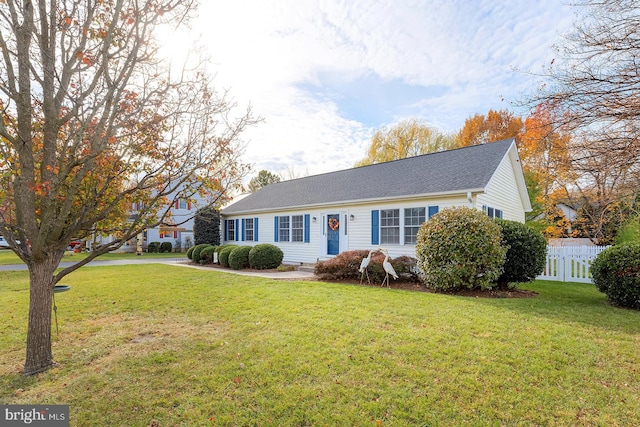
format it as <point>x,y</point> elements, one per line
<point>334,224</point>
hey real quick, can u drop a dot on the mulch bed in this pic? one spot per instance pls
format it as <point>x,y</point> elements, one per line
<point>416,287</point>
<point>419,287</point>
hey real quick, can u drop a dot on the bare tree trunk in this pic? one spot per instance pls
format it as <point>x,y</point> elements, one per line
<point>39,354</point>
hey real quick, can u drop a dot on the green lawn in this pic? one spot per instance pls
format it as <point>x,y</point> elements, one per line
<point>143,345</point>
<point>8,257</point>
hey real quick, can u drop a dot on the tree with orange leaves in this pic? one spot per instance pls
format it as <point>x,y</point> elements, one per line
<point>495,126</point>
<point>92,122</point>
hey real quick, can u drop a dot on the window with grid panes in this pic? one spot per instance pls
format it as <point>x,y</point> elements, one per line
<point>413,219</point>
<point>297,228</point>
<point>231,229</point>
<point>248,229</point>
<point>283,229</point>
<point>390,226</point>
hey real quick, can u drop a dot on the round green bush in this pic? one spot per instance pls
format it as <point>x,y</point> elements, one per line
<point>206,254</point>
<point>526,253</point>
<point>223,254</point>
<point>197,249</point>
<point>616,273</point>
<point>153,247</point>
<point>460,248</point>
<point>166,247</point>
<point>265,256</point>
<point>239,257</point>
<point>190,252</point>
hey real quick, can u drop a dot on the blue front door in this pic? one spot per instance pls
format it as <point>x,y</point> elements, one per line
<point>333,234</point>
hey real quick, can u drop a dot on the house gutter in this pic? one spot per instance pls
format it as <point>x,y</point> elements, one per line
<point>463,193</point>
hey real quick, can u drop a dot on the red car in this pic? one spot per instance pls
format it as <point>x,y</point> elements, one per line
<point>75,245</point>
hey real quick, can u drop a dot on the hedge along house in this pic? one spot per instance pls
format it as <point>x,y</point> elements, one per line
<point>381,205</point>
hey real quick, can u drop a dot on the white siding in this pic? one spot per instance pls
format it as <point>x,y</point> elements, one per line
<point>294,252</point>
<point>502,192</point>
<point>361,225</point>
<point>356,234</point>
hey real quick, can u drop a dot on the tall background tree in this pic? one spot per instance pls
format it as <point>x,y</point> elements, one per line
<point>494,126</point>
<point>263,179</point>
<point>408,138</point>
<point>595,82</point>
<point>206,226</point>
<point>93,122</point>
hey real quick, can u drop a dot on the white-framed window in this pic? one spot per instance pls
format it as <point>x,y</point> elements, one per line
<point>297,228</point>
<point>182,204</point>
<point>390,226</point>
<point>248,229</point>
<point>231,229</point>
<point>413,219</point>
<point>283,229</point>
<point>492,212</point>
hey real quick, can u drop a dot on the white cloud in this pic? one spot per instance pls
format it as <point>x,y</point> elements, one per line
<point>325,74</point>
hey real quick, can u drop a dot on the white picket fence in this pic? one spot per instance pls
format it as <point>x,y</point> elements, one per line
<point>570,263</point>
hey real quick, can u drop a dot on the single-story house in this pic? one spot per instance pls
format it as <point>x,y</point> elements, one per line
<point>380,205</point>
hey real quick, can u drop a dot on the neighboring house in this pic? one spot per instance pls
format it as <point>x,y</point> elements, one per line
<point>381,205</point>
<point>569,212</point>
<point>181,214</point>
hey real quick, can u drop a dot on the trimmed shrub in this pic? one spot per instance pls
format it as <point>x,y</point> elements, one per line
<point>407,268</point>
<point>239,257</point>
<point>206,255</point>
<point>616,273</point>
<point>190,252</point>
<point>153,247</point>
<point>346,266</point>
<point>460,248</point>
<point>223,254</point>
<point>197,249</point>
<point>166,247</point>
<point>526,253</point>
<point>265,256</point>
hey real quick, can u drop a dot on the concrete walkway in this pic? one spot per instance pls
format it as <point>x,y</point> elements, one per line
<point>181,262</point>
<point>290,275</point>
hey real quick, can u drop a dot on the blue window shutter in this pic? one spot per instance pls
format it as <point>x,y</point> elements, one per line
<point>307,231</point>
<point>244,222</point>
<point>255,229</point>
<point>225,229</point>
<point>433,210</point>
<point>237,229</point>
<point>375,227</point>
<point>275,228</point>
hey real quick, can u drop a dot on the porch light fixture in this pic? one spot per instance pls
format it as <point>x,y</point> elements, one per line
<point>314,219</point>
<point>352,217</point>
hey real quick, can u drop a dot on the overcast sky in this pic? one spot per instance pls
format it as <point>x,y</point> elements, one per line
<point>326,74</point>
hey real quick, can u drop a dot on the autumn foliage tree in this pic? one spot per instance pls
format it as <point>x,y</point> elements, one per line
<point>494,126</point>
<point>93,122</point>
<point>594,81</point>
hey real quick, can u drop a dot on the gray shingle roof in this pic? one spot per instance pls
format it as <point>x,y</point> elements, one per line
<point>459,170</point>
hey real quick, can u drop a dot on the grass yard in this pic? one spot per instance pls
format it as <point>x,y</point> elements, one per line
<point>143,345</point>
<point>7,257</point>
